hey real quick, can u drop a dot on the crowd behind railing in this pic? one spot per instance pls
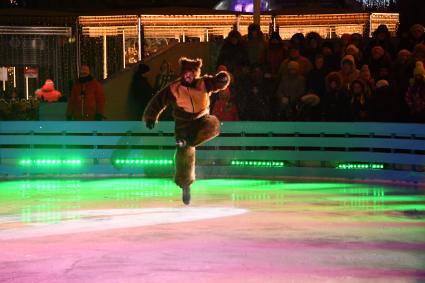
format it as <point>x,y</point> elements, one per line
<point>309,78</point>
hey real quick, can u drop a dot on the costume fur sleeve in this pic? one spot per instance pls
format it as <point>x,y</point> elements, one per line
<point>157,104</point>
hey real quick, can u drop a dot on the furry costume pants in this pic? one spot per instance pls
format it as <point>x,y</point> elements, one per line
<point>194,133</point>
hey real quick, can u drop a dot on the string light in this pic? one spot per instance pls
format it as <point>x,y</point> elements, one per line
<point>257,163</point>
<point>143,162</point>
<point>357,166</point>
<point>50,162</point>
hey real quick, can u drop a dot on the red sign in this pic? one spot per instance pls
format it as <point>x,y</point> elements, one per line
<point>31,72</point>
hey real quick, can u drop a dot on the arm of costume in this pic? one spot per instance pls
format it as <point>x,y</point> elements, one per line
<point>157,104</point>
<point>218,82</point>
<point>100,100</point>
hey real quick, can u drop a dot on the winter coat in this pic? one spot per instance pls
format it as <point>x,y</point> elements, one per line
<point>275,56</point>
<point>225,110</point>
<point>415,99</point>
<point>48,93</point>
<point>304,63</point>
<point>232,56</point>
<point>138,97</point>
<point>87,100</point>
<point>383,105</point>
<point>292,87</point>
<point>316,81</point>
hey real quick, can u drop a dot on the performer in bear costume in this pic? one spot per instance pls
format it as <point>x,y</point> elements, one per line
<point>190,98</point>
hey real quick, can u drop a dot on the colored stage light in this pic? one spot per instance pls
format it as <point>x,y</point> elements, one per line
<point>257,163</point>
<point>50,162</point>
<point>357,166</point>
<point>139,162</point>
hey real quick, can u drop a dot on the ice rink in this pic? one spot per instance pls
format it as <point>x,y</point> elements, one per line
<point>137,230</point>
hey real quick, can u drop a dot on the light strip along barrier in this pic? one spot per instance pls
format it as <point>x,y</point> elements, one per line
<point>50,162</point>
<point>359,166</point>
<point>257,163</point>
<point>140,162</point>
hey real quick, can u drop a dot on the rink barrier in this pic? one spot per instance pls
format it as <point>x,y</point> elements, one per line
<point>307,149</point>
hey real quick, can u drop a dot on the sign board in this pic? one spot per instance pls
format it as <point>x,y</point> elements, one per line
<point>31,72</point>
<point>3,74</point>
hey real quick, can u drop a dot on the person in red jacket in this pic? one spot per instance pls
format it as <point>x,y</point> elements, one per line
<point>87,100</point>
<point>48,92</point>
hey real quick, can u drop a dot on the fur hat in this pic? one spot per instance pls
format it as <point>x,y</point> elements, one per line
<point>348,58</point>
<point>417,27</point>
<point>404,52</point>
<point>382,83</point>
<point>378,50</point>
<point>365,68</point>
<point>353,48</point>
<point>333,77</point>
<point>419,50</point>
<point>294,65</point>
<point>419,69</point>
<point>193,65</point>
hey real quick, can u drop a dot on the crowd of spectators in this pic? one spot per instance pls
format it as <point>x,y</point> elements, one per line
<point>309,78</point>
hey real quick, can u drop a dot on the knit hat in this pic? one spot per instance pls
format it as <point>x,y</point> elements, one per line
<point>352,47</point>
<point>382,83</point>
<point>378,50</point>
<point>417,27</point>
<point>404,52</point>
<point>419,69</point>
<point>49,82</point>
<point>365,68</point>
<point>293,65</point>
<point>348,58</point>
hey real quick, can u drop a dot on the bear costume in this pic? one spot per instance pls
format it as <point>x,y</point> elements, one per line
<point>189,96</point>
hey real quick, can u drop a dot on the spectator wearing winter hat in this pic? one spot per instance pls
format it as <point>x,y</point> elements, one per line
<point>380,63</point>
<point>304,64</point>
<point>275,55</point>
<point>332,60</point>
<point>357,40</point>
<point>87,100</point>
<point>317,77</point>
<point>233,52</point>
<point>255,45</point>
<point>48,92</point>
<point>367,79</point>
<point>403,68</point>
<point>223,107</point>
<point>359,103</point>
<point>416,36</point>
<point>383,103</point>
<point>334,104</point>
<point>291,89</point>
<point>419,53</point>
<point>381,37</point>
<point>313,42</point>
<point>348,71</point>
<point>140,93</point>
<point>353,50</point>
<point>415,96</point>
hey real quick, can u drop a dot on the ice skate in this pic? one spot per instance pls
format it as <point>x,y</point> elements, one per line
<point>181,143</point>
<point>186,195</point>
